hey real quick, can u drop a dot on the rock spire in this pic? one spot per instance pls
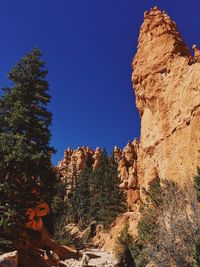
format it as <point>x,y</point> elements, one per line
<point>166,81</point>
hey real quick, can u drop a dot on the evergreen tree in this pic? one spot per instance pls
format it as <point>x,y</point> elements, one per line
<point>108,199</point>
<point>73,212</point>
<point>84,193</point>
<point>26,173</point>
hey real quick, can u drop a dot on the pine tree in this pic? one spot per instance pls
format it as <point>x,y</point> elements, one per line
<point>84,193</point>
<point>108,199</point>
<point>73,201</point>
<point>26,172</point>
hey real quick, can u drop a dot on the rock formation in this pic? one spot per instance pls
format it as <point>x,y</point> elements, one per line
<point>196,53</point>
<point>108,240</point>
<point>166,81</point>
<point>75,160</point>
<point>167,86</point>
<point>127,169</point>
<point>9,259</point>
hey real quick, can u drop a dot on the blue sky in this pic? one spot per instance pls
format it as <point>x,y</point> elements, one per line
<point>89,46</point>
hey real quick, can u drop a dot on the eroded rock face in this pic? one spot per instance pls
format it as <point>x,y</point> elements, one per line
<point>75,161</point>
<point>167,86</point>
<point>127,168</point>
<point>109,240</point>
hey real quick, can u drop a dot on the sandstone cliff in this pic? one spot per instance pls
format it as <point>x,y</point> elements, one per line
<point>166,79</point>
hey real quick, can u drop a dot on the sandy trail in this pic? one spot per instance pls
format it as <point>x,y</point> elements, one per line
<point>97,258</point>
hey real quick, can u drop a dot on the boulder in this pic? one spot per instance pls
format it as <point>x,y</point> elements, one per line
<point>9,259</point>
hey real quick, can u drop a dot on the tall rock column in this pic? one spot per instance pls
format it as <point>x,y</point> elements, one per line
<point>166,80</point>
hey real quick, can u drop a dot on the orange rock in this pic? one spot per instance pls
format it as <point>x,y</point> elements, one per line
<point>167,88</point>
<point>42,209</point>
<point>123,169</point>
<point>30,214</point>
<point>96,157</point>
<point>34,216</point>
<point>129,153</point>
<point>35,224</point>
<point>132,181</point>
<point>132,197</point>
<point>196,53</point>
<point>74,160</point>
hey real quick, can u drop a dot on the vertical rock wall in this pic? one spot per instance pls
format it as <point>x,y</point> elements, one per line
<point>166,79</point>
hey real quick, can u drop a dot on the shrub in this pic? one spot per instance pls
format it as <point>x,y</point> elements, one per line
<point>128,248</point>
<point>169,229</point>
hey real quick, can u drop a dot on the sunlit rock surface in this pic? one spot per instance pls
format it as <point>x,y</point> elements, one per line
<point>167,86</point>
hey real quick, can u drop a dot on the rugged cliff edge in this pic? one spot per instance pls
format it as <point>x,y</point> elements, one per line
<point>167,86</point>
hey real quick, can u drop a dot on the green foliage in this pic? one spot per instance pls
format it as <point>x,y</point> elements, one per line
<point>125,239</point>
<point>197,184</point>
<point>197,252</point>
<point>154,194</point>
<point>74,199</point>
<point>6,245</point>
<point>106,193</point>
<point>60,234</point>
<point>25,151</point>
<point>95,194</point>
<point>64,236</point>
<point>147,224</point>
<point>128,247</point>
<point>84,196</point>
<point>89,233</point>
<point>169,227</point>
<point>59,203</point>
<point>197,241</point>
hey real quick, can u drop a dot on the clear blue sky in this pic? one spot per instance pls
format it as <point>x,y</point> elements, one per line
<point>89,46</point>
